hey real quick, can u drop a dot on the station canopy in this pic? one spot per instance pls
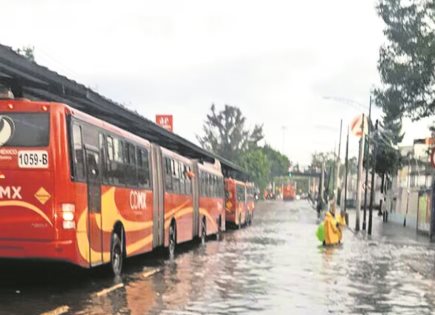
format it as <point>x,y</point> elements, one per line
<point>30,80</point>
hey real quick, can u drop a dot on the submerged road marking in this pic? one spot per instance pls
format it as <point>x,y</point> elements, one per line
<point>57,311</point>
<point>150,273</point>
<point>108,290</point>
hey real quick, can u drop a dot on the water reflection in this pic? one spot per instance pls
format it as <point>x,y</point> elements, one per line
<point>274,267</point>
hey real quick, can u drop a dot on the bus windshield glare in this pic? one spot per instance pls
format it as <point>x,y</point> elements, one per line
<point>24,129</point>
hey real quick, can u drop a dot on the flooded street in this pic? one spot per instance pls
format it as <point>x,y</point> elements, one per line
<point>275,266</point>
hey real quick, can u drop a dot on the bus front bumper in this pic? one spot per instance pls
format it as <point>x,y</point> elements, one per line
<point>46,250</point>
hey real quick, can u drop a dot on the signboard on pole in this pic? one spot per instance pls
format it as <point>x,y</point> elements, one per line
<point>356,125</point>
<point>432,157</point>
<point>165,121</point>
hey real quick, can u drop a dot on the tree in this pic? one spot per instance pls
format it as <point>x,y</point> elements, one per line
<point>317,159</point>
<point>279,163</point>
<point>257,164</point>
<point>388,158</point>
<point>226,135</point>
<point>28,52</point>
<point>406,63</point>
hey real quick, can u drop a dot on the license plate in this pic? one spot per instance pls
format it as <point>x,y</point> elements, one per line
<point>33,159</point>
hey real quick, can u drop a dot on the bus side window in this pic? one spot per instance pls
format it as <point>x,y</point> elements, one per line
<point>143,171</point>
<point>78,159</point>
<point>182,179</point>
<point>175,177</point>
<point>118,162</point>
<point>109,174</point>
<point>206,185</point>
<point>216,186</point>
<point>130,166</point>
<point>200,183</point>
<point>103,155</point>
<point>209,185</point>
<point>188,180</point>
<point>168,175</point>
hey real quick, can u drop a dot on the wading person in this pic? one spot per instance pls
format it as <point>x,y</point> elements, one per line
<point>332,228</point>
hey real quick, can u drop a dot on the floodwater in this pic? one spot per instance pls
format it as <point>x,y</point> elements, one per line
<point>275,266</point>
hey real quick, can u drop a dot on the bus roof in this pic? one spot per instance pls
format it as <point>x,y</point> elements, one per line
<point>38,82</point>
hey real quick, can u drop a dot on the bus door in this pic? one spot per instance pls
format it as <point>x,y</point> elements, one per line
<point>158,196</point>
<point>195,183</point>
<point>94,207</point>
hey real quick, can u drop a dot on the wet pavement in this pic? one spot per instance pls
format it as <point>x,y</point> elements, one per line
<point>275,266</point>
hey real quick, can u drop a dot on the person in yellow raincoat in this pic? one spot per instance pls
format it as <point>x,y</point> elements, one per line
<point>332,228</point>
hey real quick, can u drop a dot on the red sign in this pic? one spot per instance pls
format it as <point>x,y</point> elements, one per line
<point>432,157</point>
<point>165,121</point>
<point>356,126</point>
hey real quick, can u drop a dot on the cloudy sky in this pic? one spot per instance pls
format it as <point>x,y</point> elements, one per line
<point>297,67</point>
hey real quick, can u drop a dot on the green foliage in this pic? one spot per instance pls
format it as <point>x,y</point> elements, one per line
<point>388,159</point>
<point>406,63</point>
<point>28,52</point>
<point>279,163</point>
<point>407,69</point>
<point>226,135</point>
<point>318,157</point>
<point>256,162</point>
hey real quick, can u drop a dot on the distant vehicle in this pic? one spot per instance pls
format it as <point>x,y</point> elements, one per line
<point>250,201</point>
<point>289,192</point>
<point>235,202</point>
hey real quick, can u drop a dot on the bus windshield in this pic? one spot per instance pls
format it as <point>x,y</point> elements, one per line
<point>24,129</point>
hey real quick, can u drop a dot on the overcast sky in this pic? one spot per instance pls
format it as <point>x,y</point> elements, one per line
<point>276,60</point>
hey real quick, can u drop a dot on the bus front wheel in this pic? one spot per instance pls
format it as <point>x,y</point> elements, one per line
<point>116,254</point>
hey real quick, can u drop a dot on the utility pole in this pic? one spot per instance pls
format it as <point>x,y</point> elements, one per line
<point>322,184</point>
<point>346,163</point>
<point>358,180</point>
<point>337,167</point>
<point>372,189</point>
<point>367,165</point>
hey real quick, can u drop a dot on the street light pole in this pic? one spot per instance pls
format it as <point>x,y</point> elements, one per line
<point>372,189</point>
<point>367,166</point>
<point>358,180</point>
<point>346,163</point>
<point>337,167</point>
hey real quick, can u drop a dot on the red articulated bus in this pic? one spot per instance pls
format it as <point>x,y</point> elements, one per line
<point>235,203</point>
<point>288,192</point>
<point>211,199</point>
<point>77,189</point>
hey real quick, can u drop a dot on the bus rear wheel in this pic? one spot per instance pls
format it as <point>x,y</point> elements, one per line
<point>203,232</point>
<point>219,230</point>
<point>172,241</point>
<point>116,255</point>
<point>249,221</point>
